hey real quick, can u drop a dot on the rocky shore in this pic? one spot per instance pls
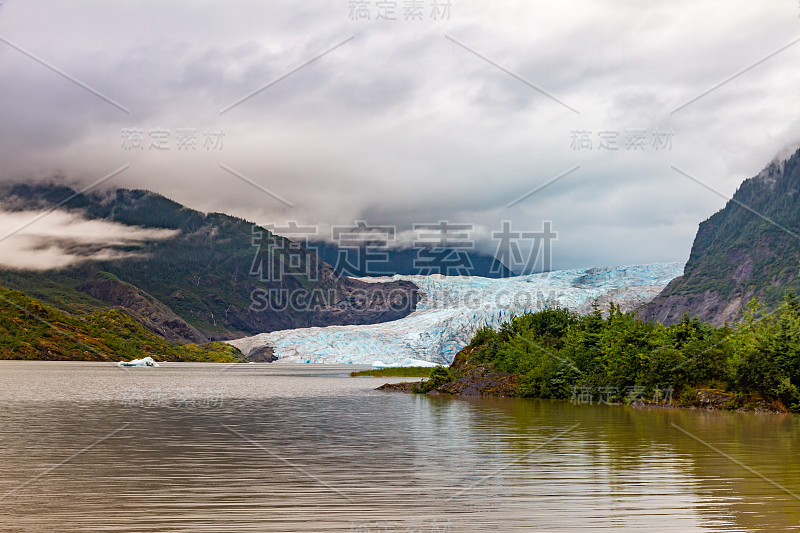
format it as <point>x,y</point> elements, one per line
<point>499,385</point>
<point>476,384</point>
<point>477,381</point>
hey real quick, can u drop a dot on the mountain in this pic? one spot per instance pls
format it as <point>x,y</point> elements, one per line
<point>30,329</point>
<point>218,277</point>
<point>749,249</point>
<point>154,315</point>
<point>453,308</point>
<point>405,261</point>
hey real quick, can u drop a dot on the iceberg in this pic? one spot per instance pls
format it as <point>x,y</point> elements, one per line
<point>147,361</point>
<point>452,308</point>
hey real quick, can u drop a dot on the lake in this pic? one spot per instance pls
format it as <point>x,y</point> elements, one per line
<point>282,447</point>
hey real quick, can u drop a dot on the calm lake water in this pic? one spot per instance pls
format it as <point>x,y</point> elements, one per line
<point>201,447</point>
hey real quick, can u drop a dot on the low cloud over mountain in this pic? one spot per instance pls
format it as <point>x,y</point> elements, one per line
<point>46,240</point>
<point>305,111</point>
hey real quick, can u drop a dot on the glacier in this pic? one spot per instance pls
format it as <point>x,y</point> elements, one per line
<point>452,308</point>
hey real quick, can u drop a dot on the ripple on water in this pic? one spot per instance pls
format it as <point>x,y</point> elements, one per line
<point>192,447</point>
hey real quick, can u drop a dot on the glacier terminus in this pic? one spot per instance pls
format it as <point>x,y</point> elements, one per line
<point>452,308</point>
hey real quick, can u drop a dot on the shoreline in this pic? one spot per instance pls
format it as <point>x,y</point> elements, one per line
<point>499,385</point>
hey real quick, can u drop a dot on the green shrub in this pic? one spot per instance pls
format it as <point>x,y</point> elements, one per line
<point>787,393</point>
<point>482,336</point>
<point>553,350</point>
<point>438,377</point>
<point>689,397</point>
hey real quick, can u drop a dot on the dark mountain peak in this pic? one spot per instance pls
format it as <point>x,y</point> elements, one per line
<point>776,177</point>
<point>749,249</point>
<point>222,276</point>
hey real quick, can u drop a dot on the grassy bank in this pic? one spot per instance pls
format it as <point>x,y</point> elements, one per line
<point>399,372</point>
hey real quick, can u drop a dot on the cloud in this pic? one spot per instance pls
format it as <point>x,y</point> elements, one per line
<point>401,125</point>
<point>40,240</point>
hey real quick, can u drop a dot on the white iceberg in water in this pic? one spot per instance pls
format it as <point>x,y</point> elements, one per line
<point>452,308</point>
<point>147,361</point>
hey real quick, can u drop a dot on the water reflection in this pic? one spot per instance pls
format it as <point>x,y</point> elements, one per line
<point>298,448</point>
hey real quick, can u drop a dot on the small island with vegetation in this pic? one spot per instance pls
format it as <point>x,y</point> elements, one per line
<point>603,357</point>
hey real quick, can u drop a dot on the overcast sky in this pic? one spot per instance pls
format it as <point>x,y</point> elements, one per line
<point>412,121</point>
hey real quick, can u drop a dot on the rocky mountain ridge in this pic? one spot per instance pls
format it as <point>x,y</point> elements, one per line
<point>749,249</point>
<point>220,277</point>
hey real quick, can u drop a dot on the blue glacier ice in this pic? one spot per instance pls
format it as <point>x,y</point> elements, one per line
<point>452,308</point>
